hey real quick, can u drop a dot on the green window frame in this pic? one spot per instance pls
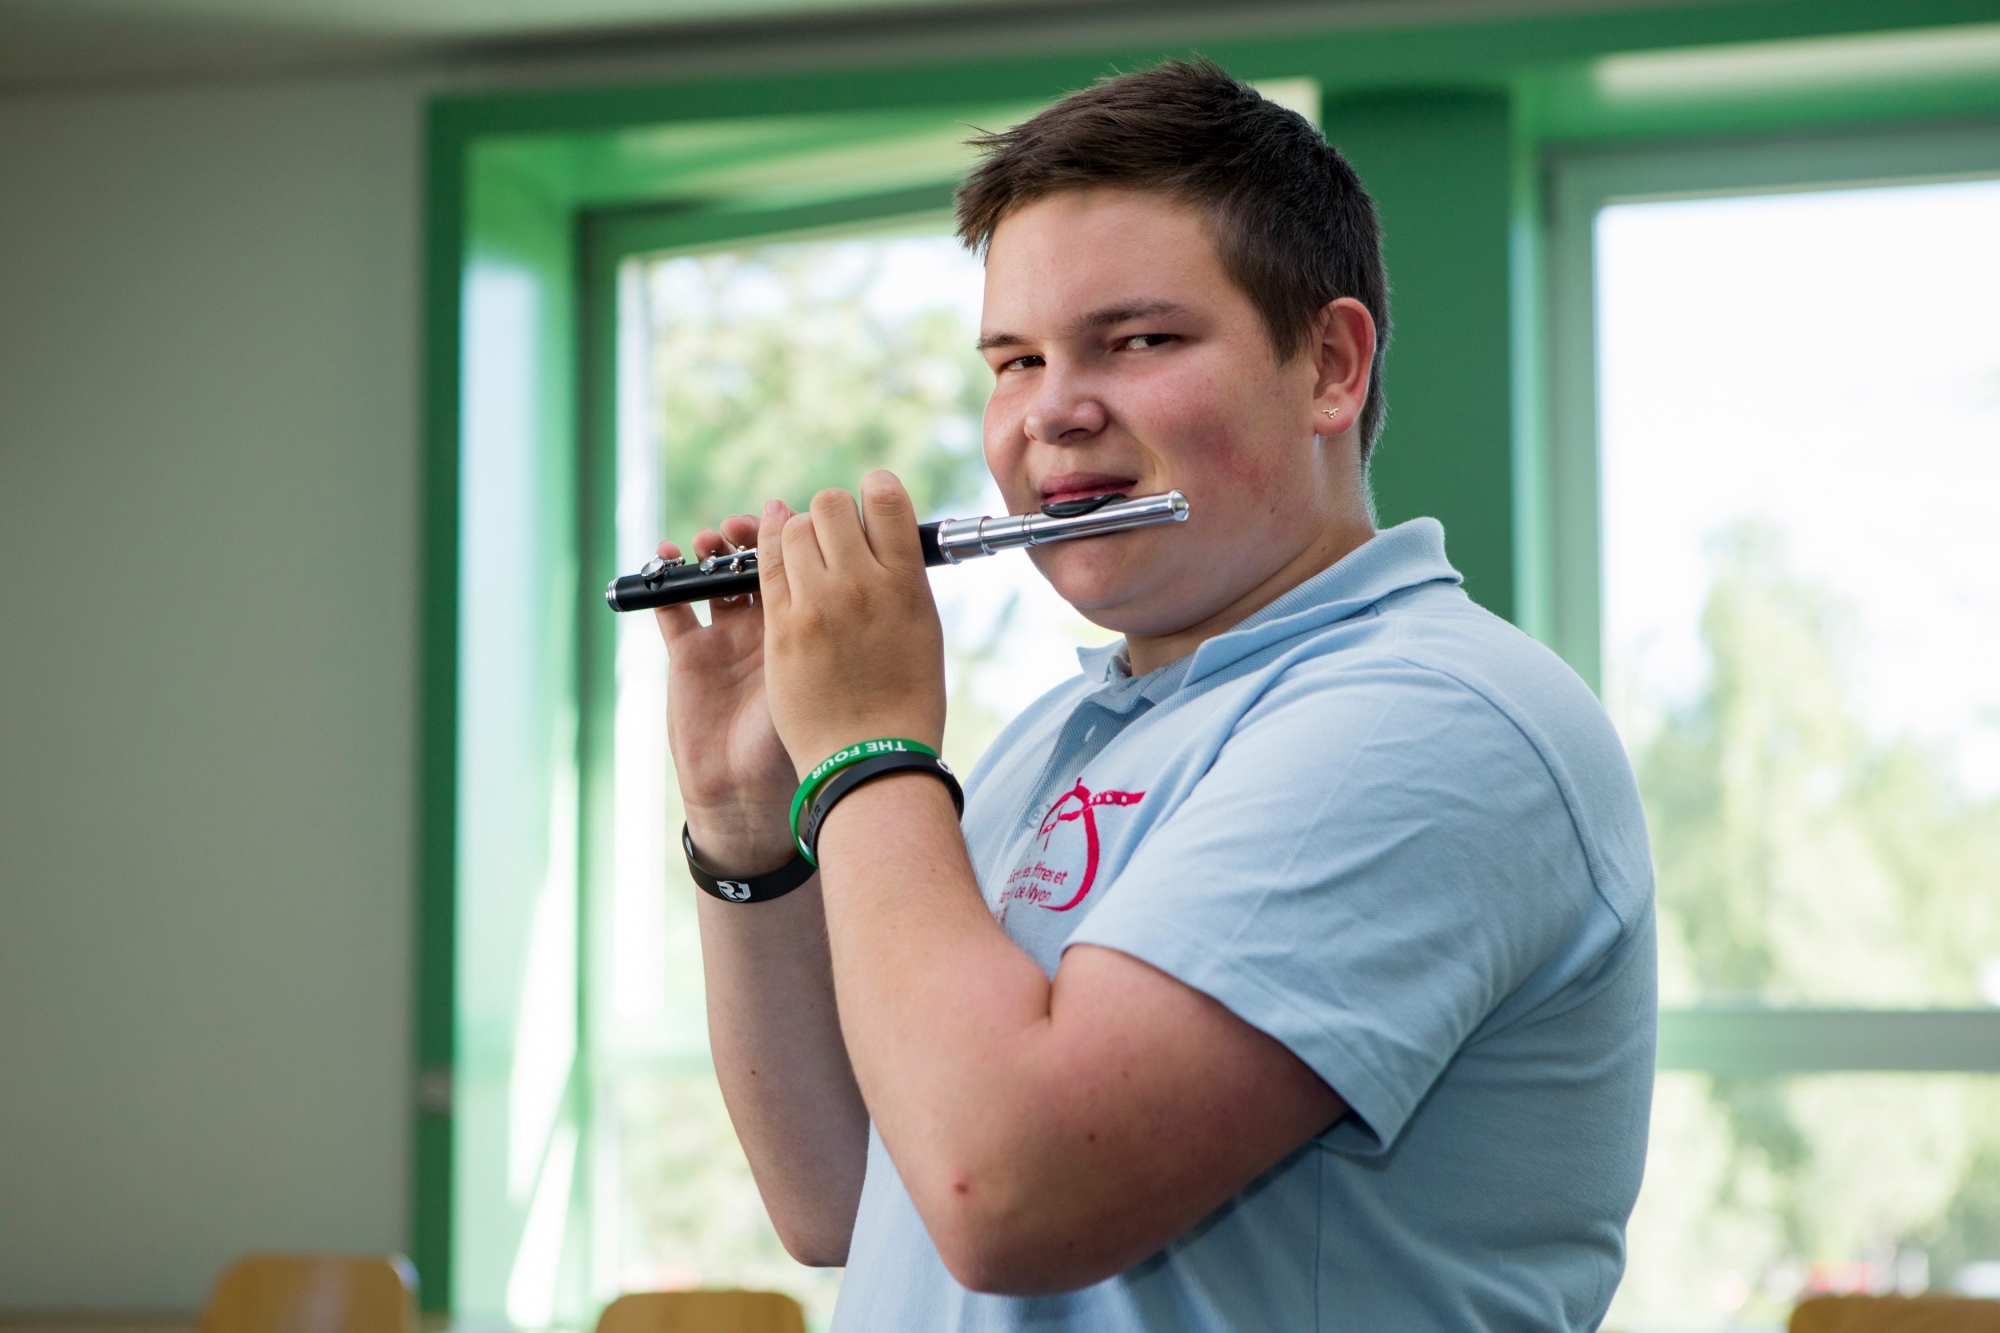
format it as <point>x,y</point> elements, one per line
<point>533,196</point>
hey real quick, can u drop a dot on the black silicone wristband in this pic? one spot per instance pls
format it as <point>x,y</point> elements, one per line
<point>847,779</point>
<point>755,889</point>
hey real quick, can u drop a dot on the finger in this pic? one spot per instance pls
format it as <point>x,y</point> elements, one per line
<point>735,533</point>
<point>675,622</point>
<point>740,530</point>
<point>805,559</point>
<point>773,586</point>
<point>837,530</point>
<point>709,542</point>
<point>891,520</point>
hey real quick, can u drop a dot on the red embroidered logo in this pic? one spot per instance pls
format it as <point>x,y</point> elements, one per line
<point>1079,802</point>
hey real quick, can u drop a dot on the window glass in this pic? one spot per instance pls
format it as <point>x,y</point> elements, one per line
<point>1799,436</point>
<point>1800,451</point>
<point>773,370</point>
<point>1762,1191</point>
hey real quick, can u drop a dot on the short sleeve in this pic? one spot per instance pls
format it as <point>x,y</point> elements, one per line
<point>1376,858</point>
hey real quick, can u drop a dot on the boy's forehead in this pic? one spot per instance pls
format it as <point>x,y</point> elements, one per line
<point>1097,249</point>
<point>1100,227</point>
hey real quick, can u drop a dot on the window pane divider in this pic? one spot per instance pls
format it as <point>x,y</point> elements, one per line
<point>1756,1040</point>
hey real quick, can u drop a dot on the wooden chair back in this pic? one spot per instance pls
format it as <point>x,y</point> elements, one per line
<point>312,1293</point>
<point>1896,1314</point>
<point>702,1312</point>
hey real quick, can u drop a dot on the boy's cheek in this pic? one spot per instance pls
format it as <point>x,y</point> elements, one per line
<point>1005,449</point>
<point>999,424</point>
<point>1181,400</point>
<point>1003,460</point>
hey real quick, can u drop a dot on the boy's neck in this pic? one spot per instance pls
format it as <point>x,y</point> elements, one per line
<point>1148,653</point>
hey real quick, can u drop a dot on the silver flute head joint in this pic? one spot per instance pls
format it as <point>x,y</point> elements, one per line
<point>957,538</point>
<point>965,538</point>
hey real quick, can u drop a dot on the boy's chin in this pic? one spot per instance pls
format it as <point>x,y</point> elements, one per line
<point>1118,605</point>
<point>1100,606</point>
<point>1088,582</point>
<point>1127,591</point>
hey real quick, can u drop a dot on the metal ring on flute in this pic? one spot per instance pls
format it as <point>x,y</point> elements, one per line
<point>663,582</point>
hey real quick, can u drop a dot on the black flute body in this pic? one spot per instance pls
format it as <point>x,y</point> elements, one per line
<point>676,582</point>
<point>635,592</point>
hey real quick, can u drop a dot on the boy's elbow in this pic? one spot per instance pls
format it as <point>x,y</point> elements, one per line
<point>1001,1264</point>
<point>979,1264</point>
<point>980,1256</point>
<point>1003,1238</point>
<point>815,1245</point>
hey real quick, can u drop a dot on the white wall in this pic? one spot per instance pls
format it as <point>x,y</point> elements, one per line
<point>209,322</point>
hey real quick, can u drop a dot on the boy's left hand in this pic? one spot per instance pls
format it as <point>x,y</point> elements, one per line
<point>853,649</point>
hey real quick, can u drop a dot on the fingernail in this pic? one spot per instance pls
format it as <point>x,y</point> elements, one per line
<point>774,506</point>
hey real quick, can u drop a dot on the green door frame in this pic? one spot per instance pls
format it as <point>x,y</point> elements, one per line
<point>1448,123</point>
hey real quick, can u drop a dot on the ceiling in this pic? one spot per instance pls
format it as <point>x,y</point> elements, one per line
<point>46,44</point>
<point>438,18</point>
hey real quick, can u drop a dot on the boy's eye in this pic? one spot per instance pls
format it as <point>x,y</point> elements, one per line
<point>1140,342</point>
<point>1022,363</point>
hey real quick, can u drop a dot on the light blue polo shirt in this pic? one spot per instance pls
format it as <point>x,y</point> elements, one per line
<point>1399,836</point>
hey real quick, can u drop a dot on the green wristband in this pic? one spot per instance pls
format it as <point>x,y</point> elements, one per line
<point>848,754</point>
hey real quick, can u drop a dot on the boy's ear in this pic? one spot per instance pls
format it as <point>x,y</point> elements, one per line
<point>1344,348</point>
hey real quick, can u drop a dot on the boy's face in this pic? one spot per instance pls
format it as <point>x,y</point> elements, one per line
<point>1126,360</point>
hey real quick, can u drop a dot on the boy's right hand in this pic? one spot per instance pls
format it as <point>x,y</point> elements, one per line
<point>735,777</point>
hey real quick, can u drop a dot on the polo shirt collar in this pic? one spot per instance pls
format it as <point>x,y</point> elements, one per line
<point>1117,688</point>
<point>1392,560</point>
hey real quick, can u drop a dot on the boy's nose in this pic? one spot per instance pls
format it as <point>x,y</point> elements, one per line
<point>1064,412</point>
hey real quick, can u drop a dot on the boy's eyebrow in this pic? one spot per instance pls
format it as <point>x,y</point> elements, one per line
<point>1096,319</point>
<point>1118,314</point>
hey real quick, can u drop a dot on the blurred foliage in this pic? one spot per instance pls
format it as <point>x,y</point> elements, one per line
<point>1804,861</point>
<point>1801,859</point>
<point>776,375</point>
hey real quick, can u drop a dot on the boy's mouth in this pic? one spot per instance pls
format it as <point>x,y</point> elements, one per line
<point>1083,485</point>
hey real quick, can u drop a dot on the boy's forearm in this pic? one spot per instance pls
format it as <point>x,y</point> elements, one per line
<point>946,1019</point>
<point>792,1097</point>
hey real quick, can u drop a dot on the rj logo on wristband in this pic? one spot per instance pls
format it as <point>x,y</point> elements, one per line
<point>755,889</point>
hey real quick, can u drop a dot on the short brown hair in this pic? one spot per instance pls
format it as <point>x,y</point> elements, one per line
<point>1293,227</point>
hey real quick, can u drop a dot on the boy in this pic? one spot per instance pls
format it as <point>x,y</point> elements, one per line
<point>1293,967</point>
